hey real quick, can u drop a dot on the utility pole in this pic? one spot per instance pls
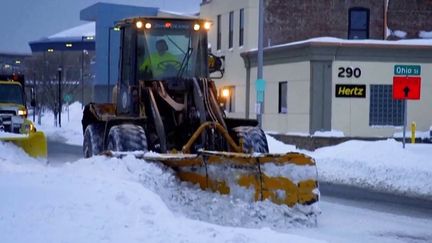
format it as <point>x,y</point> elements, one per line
<point>260,83</point>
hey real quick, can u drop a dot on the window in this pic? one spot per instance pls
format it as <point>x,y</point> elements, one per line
<point>358,23</point>
<point>127,56</point>
<point>383,109</point>
<point>231,29</point>
<point>219,33</point>
<point>241,27</point>
<point>283,96</point>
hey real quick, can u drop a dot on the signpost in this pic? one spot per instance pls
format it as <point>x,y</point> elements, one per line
<point>406,87</point>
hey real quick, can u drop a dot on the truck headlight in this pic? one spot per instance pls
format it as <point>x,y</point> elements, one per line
<point>22,112</point>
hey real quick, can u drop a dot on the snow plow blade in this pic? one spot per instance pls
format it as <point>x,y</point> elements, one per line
<point>289,179</point>
<point>34,144</point>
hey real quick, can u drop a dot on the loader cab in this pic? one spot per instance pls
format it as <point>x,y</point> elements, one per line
<point>159,49</point>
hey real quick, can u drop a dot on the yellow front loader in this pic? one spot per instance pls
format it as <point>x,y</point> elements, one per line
<point>168,111</point>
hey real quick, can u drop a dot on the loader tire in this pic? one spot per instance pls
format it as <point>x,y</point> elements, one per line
<point>254,139</point>
<point>93,140</point>
<point>127,137</point>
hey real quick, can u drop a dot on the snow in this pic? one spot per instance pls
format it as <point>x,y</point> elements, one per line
<point>88,29</point>
<point>112,200</point>
<point>105,199</point>
<point>425,34</point>
<point>11,135</point>
<point>400,34</point>
<point>71,130</point>
<point>404,42</point>
<point>379,165</point>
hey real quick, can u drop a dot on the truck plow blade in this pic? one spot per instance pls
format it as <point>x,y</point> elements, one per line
<point>289,179</point>
<point>34,144</point>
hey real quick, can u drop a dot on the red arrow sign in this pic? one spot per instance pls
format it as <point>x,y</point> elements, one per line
<point>406,88</point>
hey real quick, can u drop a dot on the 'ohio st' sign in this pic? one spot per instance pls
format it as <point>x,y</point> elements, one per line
<point>407,70</point>
<point>350,90</point>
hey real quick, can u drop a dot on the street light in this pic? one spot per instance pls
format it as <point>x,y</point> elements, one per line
<point>59,94</point>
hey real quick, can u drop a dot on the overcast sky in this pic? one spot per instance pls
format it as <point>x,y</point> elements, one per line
<point>28,20</point>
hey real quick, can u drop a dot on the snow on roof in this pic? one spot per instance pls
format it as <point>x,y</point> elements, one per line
<point>88,29</point>
<point>179,14</point>
<point>333,40</point>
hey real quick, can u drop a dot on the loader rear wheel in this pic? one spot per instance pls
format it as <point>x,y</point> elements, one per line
<point>254,139</point>
<point>93,140</point>
<point>127,137</point>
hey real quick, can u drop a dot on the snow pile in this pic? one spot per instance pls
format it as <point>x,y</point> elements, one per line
<point>400,34</point>
<point>114,200</point>
<point>380,165</point>
<point>71,130</point>
<point>332,133</point>
<point>425,34</point>
<point>11,135</point>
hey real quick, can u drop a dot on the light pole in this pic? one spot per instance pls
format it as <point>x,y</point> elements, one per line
<point>109,64</point>
<point>59,94</point>
<point>82,71</point>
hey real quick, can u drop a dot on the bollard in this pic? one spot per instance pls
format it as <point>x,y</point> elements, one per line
<point>413,131</point>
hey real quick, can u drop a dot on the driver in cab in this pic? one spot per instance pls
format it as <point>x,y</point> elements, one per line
<point>161,63</point>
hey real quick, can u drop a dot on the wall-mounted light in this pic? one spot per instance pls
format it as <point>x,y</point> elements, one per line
<point>50,50</point>
<point>225,92</point>
<point>139,24</point>
<point>68,45</point>
<point>148,26</point>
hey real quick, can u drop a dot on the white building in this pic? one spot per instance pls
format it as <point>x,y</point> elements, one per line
<point>319,84</point>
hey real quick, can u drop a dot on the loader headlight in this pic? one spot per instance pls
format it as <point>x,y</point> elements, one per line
<point>139,24</point>
<point>196,27</point>
<point>207,25</point>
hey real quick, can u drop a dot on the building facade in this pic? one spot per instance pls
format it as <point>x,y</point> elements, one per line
<point>304,73</point>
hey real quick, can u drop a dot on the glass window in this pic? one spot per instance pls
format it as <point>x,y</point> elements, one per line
<point>241,27</point>
<point>383,109</point>
<point>170,52</point>
<point>358,23</point>
<point>127,56</point>
<point>283,97</point>
<point>219,33</point>
<point>231,29</point>
<point>11,93</point>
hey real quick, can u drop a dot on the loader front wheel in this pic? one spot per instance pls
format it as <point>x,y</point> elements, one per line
<point>253,139</point>
<point>93,140</point>
<point>127,137</point>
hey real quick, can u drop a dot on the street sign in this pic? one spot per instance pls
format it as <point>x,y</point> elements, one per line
<point>407,70</point>
<point>260,85</point>
<point>406,88</point>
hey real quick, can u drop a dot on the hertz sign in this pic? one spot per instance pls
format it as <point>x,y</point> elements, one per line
<point>350,91</point>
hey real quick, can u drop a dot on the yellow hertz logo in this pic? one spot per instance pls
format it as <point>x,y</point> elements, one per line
<point>350,91</point>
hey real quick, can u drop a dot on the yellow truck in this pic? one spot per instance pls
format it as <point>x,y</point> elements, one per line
<point>14,125</point>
